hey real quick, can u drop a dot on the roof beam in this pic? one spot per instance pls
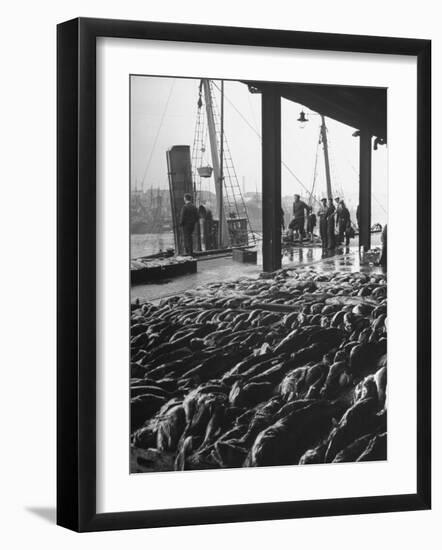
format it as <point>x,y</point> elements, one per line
<point>358,107</point>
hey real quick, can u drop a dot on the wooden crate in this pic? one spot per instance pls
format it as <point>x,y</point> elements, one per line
<point>166,271</point>
<point>244,256</point>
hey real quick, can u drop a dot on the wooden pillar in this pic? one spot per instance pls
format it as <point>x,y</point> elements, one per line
<point>223,236</point>
<point>271,180</point>
<point>326,157</point>
<point>365,189</point>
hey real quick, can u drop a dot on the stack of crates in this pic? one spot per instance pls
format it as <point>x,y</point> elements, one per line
<point>244,256</point>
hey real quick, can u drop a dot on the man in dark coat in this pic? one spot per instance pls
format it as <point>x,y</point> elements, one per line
<point>188,219</point>
<point>342,222</point>
<point>311,223</point>
<point>206,225</point>
<point>383,259</point>
<point>322,215</point>
<point>331,224</point>
<point>337,216</point>
<point>298,222</point>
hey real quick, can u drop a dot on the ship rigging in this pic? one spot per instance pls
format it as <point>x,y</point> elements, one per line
<point>234,226</point>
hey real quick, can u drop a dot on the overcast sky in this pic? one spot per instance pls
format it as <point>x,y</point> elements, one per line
<point>163,114</point>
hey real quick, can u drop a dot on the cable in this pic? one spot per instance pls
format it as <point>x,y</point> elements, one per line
<point>380,204</point>
<point>374,196</point>
<point>158,133</point>
<point>315,172</point>
<point>260,137</point>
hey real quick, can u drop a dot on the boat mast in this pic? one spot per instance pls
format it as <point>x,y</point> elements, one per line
<point>326,159</point>
<point>221,231</point>
<point>216,161</point>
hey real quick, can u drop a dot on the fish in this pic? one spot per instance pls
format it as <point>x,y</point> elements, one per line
<point>375,450</point>
<point>229,454</point>
<point>137,329</point>
<point>139,341</point>
<point>250,394</point>
<point>357,421</point>
<point>154,390</point>
<point>145,437</point>
<point>170,427</point>
<point>352,451</point>
<point>143,407</point>
<point>288,369</point>
<point>285,441</point>
<point>137,370</point>
<point>363,359</point>
<point>315,455</point>
<point>380,378</point>
<point>272,375</point>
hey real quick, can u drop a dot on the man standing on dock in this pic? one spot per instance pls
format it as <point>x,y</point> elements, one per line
<point>322,215</point>
<point>383,258</point>
<point>206,225</point>
<point>298,222</point>
<point>342,221</point>
<point>331,225</point>
<point>311,223</point>
<point>189,217</point>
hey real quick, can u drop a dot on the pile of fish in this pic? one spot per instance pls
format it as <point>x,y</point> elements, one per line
<point>161,262</point>
<point>286,369</point>
<point>373,255</point>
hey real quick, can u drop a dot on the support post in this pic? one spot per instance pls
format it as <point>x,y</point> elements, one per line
<point>222,234</point>
<point>271,180</point>
<point>365,189</point>
<point>223,239</point>
<point>326,158</point>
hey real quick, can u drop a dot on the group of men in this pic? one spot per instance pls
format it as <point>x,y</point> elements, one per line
<point>189,217</point>
<point>334,222</point>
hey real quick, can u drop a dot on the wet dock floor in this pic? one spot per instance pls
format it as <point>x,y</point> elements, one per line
<point>344,259</point>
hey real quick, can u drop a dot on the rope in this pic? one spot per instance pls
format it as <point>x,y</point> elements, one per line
<point>158,133</point>
<point>260,137</point>
<point>315,172</point>
<point>374,196</point>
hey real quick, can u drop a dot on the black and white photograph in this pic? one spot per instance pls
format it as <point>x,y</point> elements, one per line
<point>213,216</point>
<point>258,313</point>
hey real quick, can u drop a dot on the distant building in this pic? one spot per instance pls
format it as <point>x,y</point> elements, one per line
<point>150,211</point>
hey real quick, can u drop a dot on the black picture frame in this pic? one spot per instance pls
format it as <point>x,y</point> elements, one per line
<point>76,274</point>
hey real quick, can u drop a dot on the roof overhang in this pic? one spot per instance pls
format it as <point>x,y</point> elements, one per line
<point>363,108</point>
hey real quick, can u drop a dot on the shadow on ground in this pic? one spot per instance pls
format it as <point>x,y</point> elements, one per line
<point>46,513</point>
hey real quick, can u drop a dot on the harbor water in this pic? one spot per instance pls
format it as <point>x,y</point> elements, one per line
<point>150,243</point>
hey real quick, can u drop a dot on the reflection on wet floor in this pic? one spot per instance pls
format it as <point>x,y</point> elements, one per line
<point>350,261</point>
<point>303,255</point>
<point>344,259</point>
<point>208,270</point>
